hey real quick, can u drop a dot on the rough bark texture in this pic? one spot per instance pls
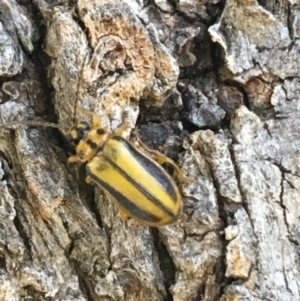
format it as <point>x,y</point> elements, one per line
<point>221,79</point>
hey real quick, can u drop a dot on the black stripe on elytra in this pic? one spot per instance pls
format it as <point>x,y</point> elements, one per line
<point>125,202</point>
<point>141,188</point>
<point>150,168</point>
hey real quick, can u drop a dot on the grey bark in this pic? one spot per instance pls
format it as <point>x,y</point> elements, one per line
<point>230,72</point>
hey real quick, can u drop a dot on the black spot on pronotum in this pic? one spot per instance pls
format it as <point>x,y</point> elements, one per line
<point>100,131</point>
<point>91,144</point>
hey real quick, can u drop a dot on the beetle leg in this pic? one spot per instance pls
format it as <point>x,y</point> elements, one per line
<point>161,159</point>
<point>73,158</point>
<point>124,215</point>
<point>96,119</point>
<point>121,129</point>
<point>88,180</point>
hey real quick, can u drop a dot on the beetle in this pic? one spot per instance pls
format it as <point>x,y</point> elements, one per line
<point>137,183</point>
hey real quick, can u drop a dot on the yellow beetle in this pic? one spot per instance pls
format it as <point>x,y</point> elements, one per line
<point>138,184</point>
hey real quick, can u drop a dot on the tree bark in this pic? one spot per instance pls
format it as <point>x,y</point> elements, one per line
<point>213,84</point>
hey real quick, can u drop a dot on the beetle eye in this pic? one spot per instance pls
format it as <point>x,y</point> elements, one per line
<point>81,132</point>
<point>80,154</point>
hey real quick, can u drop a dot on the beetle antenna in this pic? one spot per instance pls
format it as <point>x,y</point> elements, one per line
<point>33,123</point>
<point>80,78</point>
